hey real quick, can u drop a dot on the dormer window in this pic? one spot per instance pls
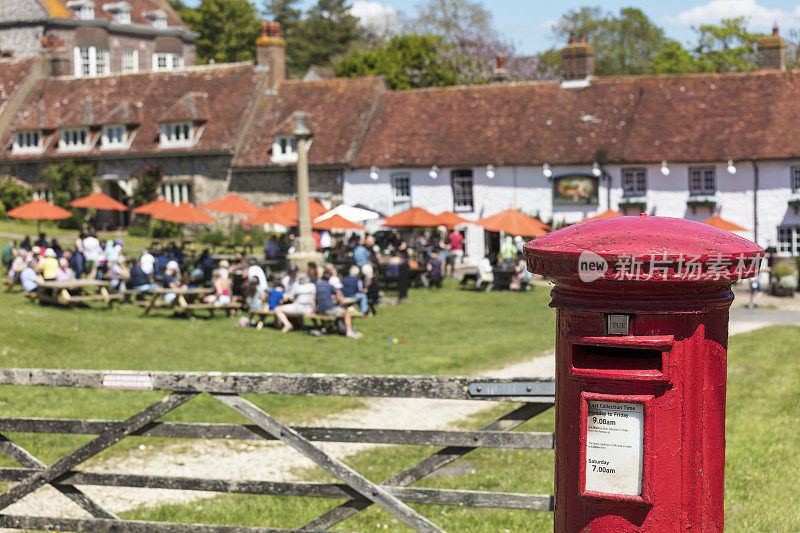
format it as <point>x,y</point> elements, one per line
<point>120,10</point>
<point>284,149</point>
<point>27,142</point>
<point>176,134</point>
<point>83,9</point>
<point>157,17</point>
<point>74,140</point>
<point>115,137</point>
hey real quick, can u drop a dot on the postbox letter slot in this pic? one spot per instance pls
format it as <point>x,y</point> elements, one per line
<point>618,363</point>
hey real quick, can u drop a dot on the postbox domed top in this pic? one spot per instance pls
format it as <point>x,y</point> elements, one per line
<point>643,248</point>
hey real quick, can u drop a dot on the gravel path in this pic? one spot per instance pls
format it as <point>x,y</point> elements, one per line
<point>254,460</point>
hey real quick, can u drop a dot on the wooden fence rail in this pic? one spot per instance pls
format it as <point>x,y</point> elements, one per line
<point>358,493</point>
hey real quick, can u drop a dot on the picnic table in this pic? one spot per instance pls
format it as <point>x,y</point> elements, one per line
<point>187,301</point>
<point>76,291</point>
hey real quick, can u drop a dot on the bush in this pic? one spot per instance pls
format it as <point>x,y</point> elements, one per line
<point>784,269</point>
<point>160,229</point>
<point>69,181</point>
<point>214,237</point>
<point>139,231</point>
<point>257,235</point>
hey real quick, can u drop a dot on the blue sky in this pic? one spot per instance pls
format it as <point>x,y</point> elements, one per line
<point>527,22</point>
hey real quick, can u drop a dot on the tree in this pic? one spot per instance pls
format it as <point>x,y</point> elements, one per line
<point>674,59</point>
<point>327,33</point>
<point>407,61</point>
<point>453,18</point>
<point>13,193</point>
<point>228,29</point>
<point>410,61</point>
<point>69,181</point>
<point>725,47</point>
<point>148,181</point>
<point>624,44</point>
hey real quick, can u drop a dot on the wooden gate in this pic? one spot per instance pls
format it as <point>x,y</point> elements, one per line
<point>392,495</point>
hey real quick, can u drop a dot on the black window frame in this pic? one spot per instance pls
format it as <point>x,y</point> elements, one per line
<point>457,178</point>
<point>705,171</point>
<point>635,173</point>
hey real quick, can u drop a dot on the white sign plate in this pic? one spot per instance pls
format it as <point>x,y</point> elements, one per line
<point>128,381</point>
<point>614,433</point>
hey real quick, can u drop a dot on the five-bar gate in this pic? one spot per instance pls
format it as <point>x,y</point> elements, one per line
<point>393,494</point>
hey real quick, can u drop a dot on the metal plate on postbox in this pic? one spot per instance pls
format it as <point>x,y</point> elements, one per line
<point>518,388</point>
<point>619,325</point>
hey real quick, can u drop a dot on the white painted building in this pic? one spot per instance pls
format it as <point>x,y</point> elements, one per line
<point>686,146</point>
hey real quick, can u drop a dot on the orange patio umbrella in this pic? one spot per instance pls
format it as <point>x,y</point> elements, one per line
<point>184,213</point>
<point>605,214</point>
<point>269,215</point>
<point>719,222</point>
<point>39,210</point>
<point>336,222</point>
<point>100,201</point>
<point>416,217</point>
<point>514,222</point>
<point>151,207</point>
<point>288,209</point>
<point>450,220</point>
<point>233,204</point>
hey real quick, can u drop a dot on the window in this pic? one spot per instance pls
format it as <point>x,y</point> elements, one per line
<point>177,134</point>
<point>130,61</point>
<point>462,191</point>
<point>401,192</point>
<point>284,149</point>
<point>123,16</point>
<point>634,181</point>
<point>83,9</point>
<point>788,240</point>
<point>114,137</point>
<point>160,22</point>
<point>42,193</point>
<point>166,62</point>
<point>91,61</point>
<point>74,140</point>
<point>794,178</point>
<point>176,192</point>
<point>702,181</point>
<point>27,142</point>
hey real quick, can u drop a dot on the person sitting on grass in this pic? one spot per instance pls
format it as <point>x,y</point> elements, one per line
<point>327,298</point>
<point>275,297</point>
<point>302,296</point>
<point>353,287</point>
<point>64,272</point>
<point>29,278</point>
<point>434,269</point>
<point>222,289</point>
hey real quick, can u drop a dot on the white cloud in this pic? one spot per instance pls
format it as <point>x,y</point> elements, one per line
<point>379,20</point>
<point>758,16</point>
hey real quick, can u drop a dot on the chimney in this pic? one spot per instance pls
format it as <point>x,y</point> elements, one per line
<point>500,72</point>
<point>771,51</point>
<point>577,59</point>
<point>56,54</point>
<point>271,53</point>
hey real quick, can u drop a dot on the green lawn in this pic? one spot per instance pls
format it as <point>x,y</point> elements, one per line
<point>763,414</point>
<point>446,332</point>
<point>66,237</point>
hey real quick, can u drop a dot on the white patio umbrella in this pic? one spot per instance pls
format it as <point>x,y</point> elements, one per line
<point>351,213</point>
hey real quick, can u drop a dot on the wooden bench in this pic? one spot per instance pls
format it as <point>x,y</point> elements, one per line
<point>190,308</point>
<point>77,291</point>
<point>317,319</point>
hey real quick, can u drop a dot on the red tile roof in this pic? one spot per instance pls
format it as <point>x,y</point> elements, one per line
<point>216,96</point>
<point>337,111</point>
<point>59,9</point>
<point>12,73</point>
<point>698,117</point>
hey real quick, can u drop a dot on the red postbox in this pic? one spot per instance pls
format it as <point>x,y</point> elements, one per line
<point>642,329</point>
